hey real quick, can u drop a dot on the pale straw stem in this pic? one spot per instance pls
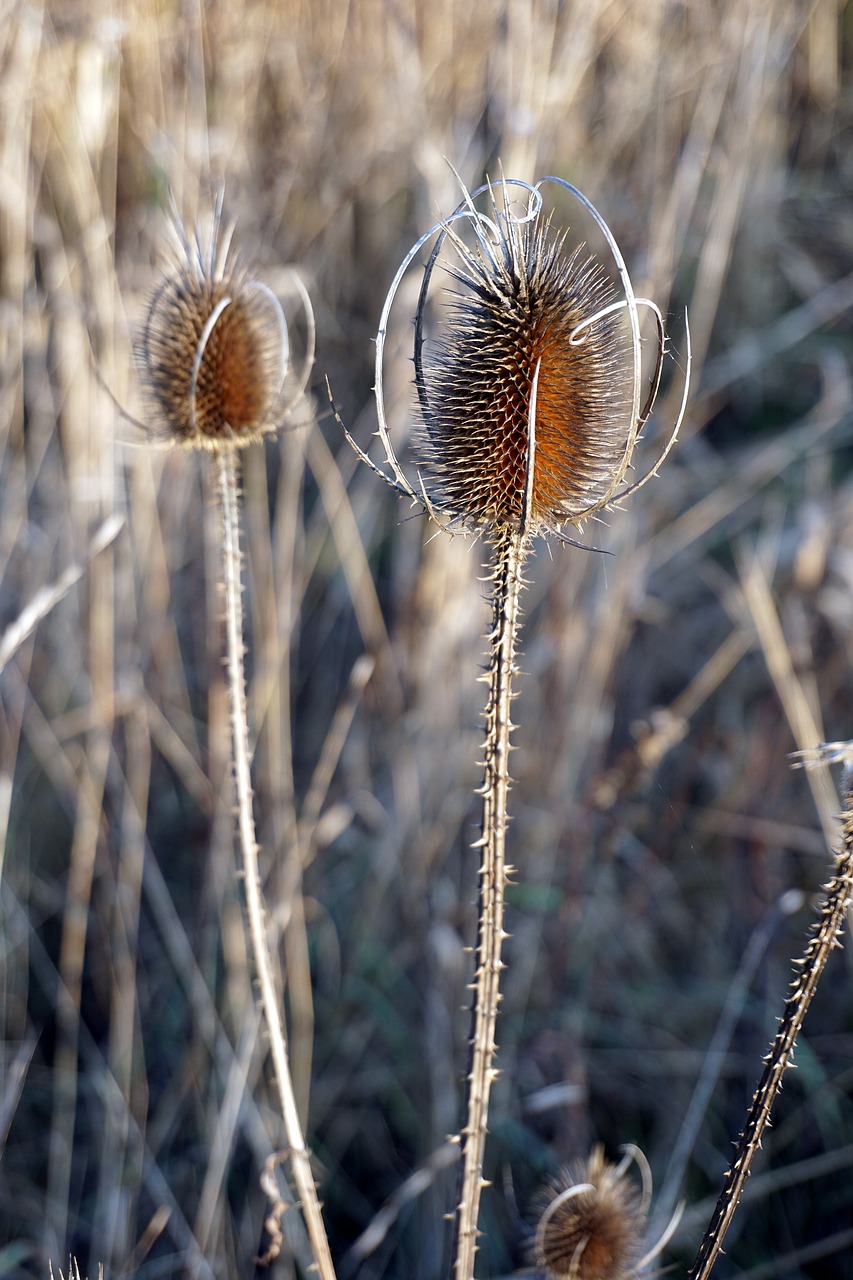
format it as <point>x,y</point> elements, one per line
<point>270,999</point>
<point>510,554</point>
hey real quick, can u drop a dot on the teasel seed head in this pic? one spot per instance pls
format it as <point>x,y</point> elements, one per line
<point>592,1227</point>
<point>509,336</point>
<point>530,390</point>
<point>213,353</point>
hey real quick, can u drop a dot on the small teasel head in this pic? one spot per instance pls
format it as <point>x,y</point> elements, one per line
<point>592,1227</point>
<point>529,376</point>
<point>213,352</point>
<point>594,1221</point>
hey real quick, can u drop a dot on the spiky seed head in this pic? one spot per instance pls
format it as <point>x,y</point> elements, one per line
<point>591,1228</point>
<point>527,418</point>
<point>212,355</point>
<point>517,353</point>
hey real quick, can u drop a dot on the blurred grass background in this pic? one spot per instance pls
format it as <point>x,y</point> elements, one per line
<point>667,856</point>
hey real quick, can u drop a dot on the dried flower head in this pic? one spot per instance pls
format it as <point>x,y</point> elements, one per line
<point>512,334</point>
<point>530,392</point>
<point>592,1227</point>
<point>213,354</point>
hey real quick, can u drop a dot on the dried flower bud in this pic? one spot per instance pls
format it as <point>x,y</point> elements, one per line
<point>593,1225</point>
<point>510,337</point>
<point>213,354</point>
<point>529,381</point>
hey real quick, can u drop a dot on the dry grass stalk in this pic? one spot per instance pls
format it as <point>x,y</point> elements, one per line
<point>531,409</point>
<point>213,360</point>
<point>44,600</point>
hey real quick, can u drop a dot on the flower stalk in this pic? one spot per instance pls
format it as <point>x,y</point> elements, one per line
<point>271,999</point>
<point>510,555</point>
<point>826,937</point>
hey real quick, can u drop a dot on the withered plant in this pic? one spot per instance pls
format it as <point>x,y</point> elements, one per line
<point>213,360</point>
<point>826,935</point>
<point>593,1223</point>
<point>531,404</point>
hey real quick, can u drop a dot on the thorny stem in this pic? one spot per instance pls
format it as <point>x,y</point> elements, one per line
<point>510,554</point>
<point>827,935</point>
<point>300,1157</point>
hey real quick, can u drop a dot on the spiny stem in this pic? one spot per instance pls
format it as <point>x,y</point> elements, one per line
<point>839,894</point>
<point>510,554</point>
<point>299,1155</point>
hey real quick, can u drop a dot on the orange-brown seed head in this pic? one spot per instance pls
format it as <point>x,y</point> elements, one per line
<point>513,319</point>
<point>212,355</point>
<point>592,1226</point>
